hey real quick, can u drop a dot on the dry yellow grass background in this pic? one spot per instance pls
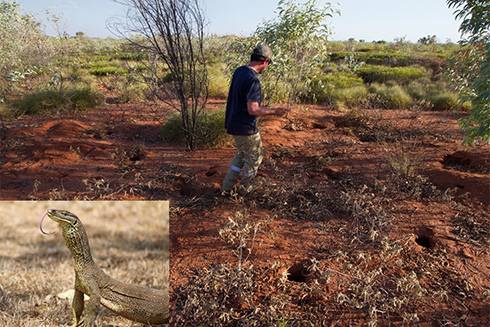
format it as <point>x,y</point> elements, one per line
<point>129,241</point>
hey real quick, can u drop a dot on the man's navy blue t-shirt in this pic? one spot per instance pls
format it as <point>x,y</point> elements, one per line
<point>245,86</point>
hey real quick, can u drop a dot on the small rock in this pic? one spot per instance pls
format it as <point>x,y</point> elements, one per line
<point>69,295</point>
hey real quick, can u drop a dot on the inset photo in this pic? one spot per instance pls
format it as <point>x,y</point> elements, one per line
<point>84,263</point>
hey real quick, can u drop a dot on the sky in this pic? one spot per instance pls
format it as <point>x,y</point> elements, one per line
<point>369,20</point>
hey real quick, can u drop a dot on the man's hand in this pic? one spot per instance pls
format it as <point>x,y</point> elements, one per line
<point>255,110</point>
<point>280,111</point>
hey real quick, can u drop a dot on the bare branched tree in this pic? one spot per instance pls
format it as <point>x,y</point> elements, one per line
<point>172,33</point>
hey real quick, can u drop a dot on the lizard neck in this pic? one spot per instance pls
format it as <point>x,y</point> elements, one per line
<point>77,242</point>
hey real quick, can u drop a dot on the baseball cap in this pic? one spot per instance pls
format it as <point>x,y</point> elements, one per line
<point>263,50</point>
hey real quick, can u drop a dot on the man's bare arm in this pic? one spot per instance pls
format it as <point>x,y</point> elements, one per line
<point>255,110</point>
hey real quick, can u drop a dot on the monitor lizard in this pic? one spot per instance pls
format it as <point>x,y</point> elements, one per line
<point>137,303</point>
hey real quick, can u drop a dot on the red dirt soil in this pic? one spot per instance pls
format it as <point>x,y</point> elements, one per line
<point>116,153</point>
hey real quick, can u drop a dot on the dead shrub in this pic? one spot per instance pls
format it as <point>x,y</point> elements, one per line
<point>368,208</point>
<point>241,233</point>
<point>215,296</point>
<point>404,160</point>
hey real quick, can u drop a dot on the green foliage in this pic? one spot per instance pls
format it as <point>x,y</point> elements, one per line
<point>215,135</point>
<point>233,51</point>
<point>382,74</point>
<point>475,16</point>
<point>418,88</point>
<point>298,40</point>
<point>102,63</point>
<point>104,71</point>
<point>21,46</point>
<point>341,80</point>
<point>477,125</point>
<point>211,135</point>
<point>4,109</point>
<point>464,67</point>
<point>132,93</point>
<point>444,100</point>
<point>218,83</point>
<point>337,89</point>
<point>46,102</point>
<point>172,130</point>
<point>383,58</point>
<point>127,55</point>
<point>437,95</point>
<point>373,57</point>
<point>353,97</point>
<point>391,96</point>
<point>428,40</point>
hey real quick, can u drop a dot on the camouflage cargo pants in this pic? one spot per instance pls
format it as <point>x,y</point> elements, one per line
<point>247,160</point>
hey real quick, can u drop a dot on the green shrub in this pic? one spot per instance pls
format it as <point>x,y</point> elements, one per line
<point>437,94</point>
<point>418,89</point>
<point>100,58</point>
<point>4,109</point>
<point>211,135</point>
<point>388,59</point>
<point>382,74</point>
<point>83,99</point>
<point>54,101</point>
<point>352,97</point>
<point>104,64</point>
<point>355,117</point>
<point>338,56</point>
<point>133,93</point>
<point>335,46</point>
<point>444,100</point>
<point>140,68</point>
<point>337,88</point>
<point>218,83</point>
<point>215,134</point>
<point>172,130</point>
<point>391,96</point>
<point>104,71</point>
<point>342,80</point>
<point>137,56</point>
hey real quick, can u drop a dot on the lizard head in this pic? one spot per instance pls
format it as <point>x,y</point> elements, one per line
<point>73,232</point>
<point>63,217</point>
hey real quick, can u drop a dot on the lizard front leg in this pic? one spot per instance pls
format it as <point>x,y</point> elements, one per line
<point>93,305</point>
<point>77,307</point>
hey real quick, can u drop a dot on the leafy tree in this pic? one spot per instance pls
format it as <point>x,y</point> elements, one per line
<point>21,45</point>
<point>298,41</point>
<point>475,15</point>
<point>172,32</point>
<point>63,51</point>
<point>428,40</point>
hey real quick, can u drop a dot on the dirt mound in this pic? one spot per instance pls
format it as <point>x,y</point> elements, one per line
<point>478,163</point>
<point>59,128</point>
<point>465,173</point>
<point>65,128</point>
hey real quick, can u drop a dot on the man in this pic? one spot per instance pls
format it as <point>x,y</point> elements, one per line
<point>242,111</point>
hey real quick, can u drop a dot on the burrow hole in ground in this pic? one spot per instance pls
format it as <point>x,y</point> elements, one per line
<point>425,238</point>
<point>297,272</point>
